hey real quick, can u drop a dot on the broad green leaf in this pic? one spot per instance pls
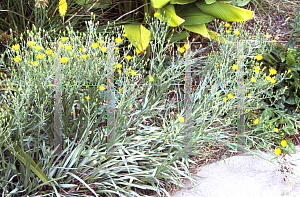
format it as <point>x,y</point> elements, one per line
<point>138,35</point>
<point>267,113</point>
<point>199,29</point>
<point>178,36</point>
<point>210,1</point>
<point>239,3</point>
<point>290,59</point>
<point>292,100</point>
<point>159,3</point>
<point>225,12</point>
<point>291,147</point>
<point>216,36</point>
<point>181,1</point>
<point>194,16</point>
<point>169,14</point>
<point>21,155</point>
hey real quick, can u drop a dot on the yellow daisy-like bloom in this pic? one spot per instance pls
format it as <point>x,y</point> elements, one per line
<point>255,121</point>
<point>282,133</point>
<point>64,59</point>
<point>38,47</point>
<point>124,35</point>
<point>119,66</point>
<point>151,79</point>
<point>277,151</point>
<point>95,45</point>
<point>118,40</point>
<point>181,119</point>
<point>138,51</point>
<point>276,129</point>
<point>268,77</point>
<point>237,32</point>
<point>217,63</point>
<point>229,42</point>
<point>103,49</point>
<point>128,57</point>
<point>156,14</point>
<point>35,63</point>
<point>289,70</point>
<point>267,35</point>
<point>257,69</point>
<point>30,43</point>
<point>227,31</point>
<point>186,46</point>
<point>273,71</point>
<point>250,95</point>
<point>253,79</point>
<point>15,47</point>
<point>224,99</point>
<point>230,96</point>
<point>84,56</point>
<point>132,73</point>
<point>68,47</point>
<point>272,80</point>
<point>40,56</point>
<point>63,6</point>
<point>101,42</point>
<point>227,25</point>
<point>87,97</point>
<point>274,41</point>
<point>63,39</point>
<point>181,50</point>
<point>117,48</point>
<point>17,58</point>
<point>62,45</point>
<point>101,87</point>
<point>234,67</point>
<point>119,71</point>
<point>259,57</point>
<point>283,143</point>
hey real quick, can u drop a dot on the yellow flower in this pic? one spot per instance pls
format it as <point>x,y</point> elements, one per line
<point>227,31</point>
<point>272,80</point>
<point>84,56</point>
<point>156,14</point>
<point>250,95</point>
<point>119,40</point>
<point>64,59</point>
<point>253,79</point>
<point>64,39</point>
<point>48,51</point>
<point>101,87</point>
<point>38,47</point>
<point>224,99</point>
<point>257,69</point>
<point>138,51</point>
<point>237,32</point>
<point>230,96</point>
<point>186,46</point>
<point>30,43</point>
<point>274,41</point>
<point>217,63</point>
<point>103,49</point>
<point>277,151</point>
<point>119,71</point>
<point>17,58</point>
<point>151,79</point>
<point>124,35</point>
<point>181,119</point>
<point>289,70</point>
<point>259,57</point>
<point>255,121</point>
<point>120,90</point>
<point>119,66</point>
<point>87,97</point>
<point>268,77</point>
<point>282,133</point>
<point>273,71</point>
<point>267,35</point>
<point>276,129</point>
<point>234,67</point>
<point>35,63</point>
<point>283,143</point>
<point>15,47</point>
<point>63,6</point>
<point>227,25</point>
<point>132,73</point>
<point>95,45</point>
<point>128,57</point>
<point>101,42</point>
<point>229,42</point>
<point>40,56</point>
<point>61,45</point>
<point>181,50</point>
<point>117,48</point>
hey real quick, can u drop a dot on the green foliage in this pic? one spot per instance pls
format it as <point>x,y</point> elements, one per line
<point>295,23</point>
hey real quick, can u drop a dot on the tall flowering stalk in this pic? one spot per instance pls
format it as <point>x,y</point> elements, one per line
<point>63,8</point>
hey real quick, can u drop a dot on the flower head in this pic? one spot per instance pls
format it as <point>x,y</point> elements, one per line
<point>156,14</point>
<point>64,59</point>
<point>17,58</point>
<point>229,42</point>
<point>132,73</point>
<point>267,35</point>
<point>68,47</point>
<point>237,32</point>
<point>103,49</point>
<point>63,6</point>
<point>181,119</point>
<point>119,66</point>
<point>227,25</point>
<point>255,121</point>
<point>84,56</point>
<point>87,97</point>
<point>181,50</point>
<point>30,43</point>
<point>124,35</point>
<point>151,79</point>
<point>230,96</point>
<point>224,99</point>
<point>186,46</point>
<point>276,129</point>
<point>63,39</point>
<point>273,71</point>
<point>101,87</point>
<point>283,143</point>
<point>277,151</point>
<point>234,67</point>
<point>217,63</point>
<point>250,95</point>
<point>253,79</point>
<point>128,57</point>
<point>15,47</point>
<point>259,57</point>
<point>138,51</point>
<point>95,45</point>
<point>118,40</point>
<point>40,56</point>
<point>257,69</point>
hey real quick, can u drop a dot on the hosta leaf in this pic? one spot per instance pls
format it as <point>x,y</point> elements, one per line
<point>194,16</point>
<point>200,29</point>
<point>159,3</point>
<point>210,1</point>
<point>178,36</point>
<point>169,14</point>
<point>239,3</point>
<point>224,11</point>
<point>138,35</point>
<point>181,1</point>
